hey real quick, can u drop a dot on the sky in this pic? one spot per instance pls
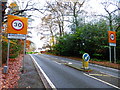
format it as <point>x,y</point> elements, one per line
<point>95,5</point>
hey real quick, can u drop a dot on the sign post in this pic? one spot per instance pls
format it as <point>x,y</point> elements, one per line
<point>17,29</point>
<point>114,54</point>
<point>24,53</point>
<point>8,51</point>
<point>110,53</point>
<point>112,43</point>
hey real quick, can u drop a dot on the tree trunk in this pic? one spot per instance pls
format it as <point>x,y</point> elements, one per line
<point>75,15</point>
<point>110,23</point>
<point>0,35</point>
<point>60,30</point>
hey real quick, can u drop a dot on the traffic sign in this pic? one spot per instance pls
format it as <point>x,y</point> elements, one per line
<point>16,36</point>
<point>85,61</point>
<point>86,57</point>
<point>112,36</point>
<point>17,25</point>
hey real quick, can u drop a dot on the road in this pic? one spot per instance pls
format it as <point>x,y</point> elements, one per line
<point>62,76</point>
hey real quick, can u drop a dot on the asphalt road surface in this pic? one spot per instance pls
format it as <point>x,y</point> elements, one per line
<point>63,76</point>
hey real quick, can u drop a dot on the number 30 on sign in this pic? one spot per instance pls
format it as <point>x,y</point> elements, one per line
<point>17,25</point>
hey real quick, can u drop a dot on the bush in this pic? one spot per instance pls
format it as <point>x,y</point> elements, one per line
<point>89,38</point>
<point>15,50</point>
<point>4,52</point>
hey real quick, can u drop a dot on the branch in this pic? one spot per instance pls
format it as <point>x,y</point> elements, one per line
<point>117,28</point>
<point>27,4</point>
<point>115,10</point>
<point>107,11</point>
<point>31,9</point>
<point>102,16</point>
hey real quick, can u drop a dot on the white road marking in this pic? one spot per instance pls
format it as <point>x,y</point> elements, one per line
<point>49,81</point>
<point>93,65</point>
<point>102,81</point>
<point>69,63</point>
<point>65,61</point>
<point>106,67</point>
<point>57,62</point>
<point>111,75</point>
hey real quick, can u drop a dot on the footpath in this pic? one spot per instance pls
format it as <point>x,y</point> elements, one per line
<point>30,77</point>
<point>17,79</point>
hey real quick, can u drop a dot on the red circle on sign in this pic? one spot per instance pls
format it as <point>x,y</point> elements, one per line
<point>112,36</point>
<point>17,24</point>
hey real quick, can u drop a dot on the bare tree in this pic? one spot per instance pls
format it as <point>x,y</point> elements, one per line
<point>28,6</point>
<point>61,10</point>
<point>57,11</point>
<point>48,22</point>
<point>111,15</point>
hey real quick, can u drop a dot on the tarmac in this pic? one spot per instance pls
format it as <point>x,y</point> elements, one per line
<point>33,78</point>
<point>30,77</point>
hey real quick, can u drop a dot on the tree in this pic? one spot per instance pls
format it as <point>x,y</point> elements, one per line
<point>57,10</point>
<point>90,38</point>
<point>29,6</point>
<point>50,25</point>
<point>75,10</point>
<point>111,15</point>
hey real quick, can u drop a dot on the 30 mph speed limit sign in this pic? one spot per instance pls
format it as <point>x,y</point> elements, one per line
<point>112,37</point>
<point>17,25</point>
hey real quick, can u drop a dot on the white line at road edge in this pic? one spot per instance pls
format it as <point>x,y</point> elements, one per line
<point>48,80</point>
<point>105,67</point>
<point>102,81</point>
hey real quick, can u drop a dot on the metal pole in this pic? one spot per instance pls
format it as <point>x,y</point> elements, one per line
<point>8,51</point>
<point>24,53</point>
<point>110,53</point>
<point>114,54</point>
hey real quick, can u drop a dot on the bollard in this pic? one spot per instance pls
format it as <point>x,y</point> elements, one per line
<point>85,61</point>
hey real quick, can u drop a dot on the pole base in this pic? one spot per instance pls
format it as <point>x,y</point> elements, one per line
<point>5,69</point>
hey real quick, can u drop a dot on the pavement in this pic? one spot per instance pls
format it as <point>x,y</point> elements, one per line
<point>30,78</point>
